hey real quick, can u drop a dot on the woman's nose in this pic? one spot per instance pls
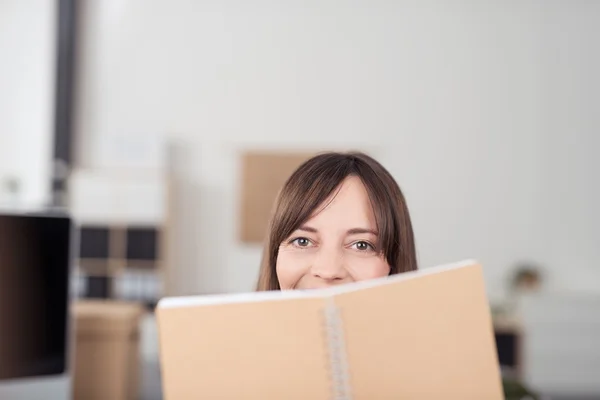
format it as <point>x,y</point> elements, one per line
<point>329,265</point>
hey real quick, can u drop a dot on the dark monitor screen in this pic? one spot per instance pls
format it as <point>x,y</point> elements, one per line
<point>34,295</point>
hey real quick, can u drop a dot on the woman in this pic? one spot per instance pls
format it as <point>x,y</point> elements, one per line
<point>339,218</point>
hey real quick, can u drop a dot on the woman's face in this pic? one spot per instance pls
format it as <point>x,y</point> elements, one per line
<point>337,245</point>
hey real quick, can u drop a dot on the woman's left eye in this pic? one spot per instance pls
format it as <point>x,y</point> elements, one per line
<point>363,246</point>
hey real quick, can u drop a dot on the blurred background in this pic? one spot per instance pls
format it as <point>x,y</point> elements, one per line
<point>155,123</point>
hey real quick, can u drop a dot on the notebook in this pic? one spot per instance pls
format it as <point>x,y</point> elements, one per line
<point>420,335</point>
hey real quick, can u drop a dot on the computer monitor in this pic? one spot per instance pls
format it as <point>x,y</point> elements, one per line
<point>35,265</point>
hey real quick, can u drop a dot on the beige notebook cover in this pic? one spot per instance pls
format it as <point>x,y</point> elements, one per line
<point>419,335</point>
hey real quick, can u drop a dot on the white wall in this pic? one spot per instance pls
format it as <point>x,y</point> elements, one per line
<point>27,64</point>
<point>571,124</point>
<point>484,112</point>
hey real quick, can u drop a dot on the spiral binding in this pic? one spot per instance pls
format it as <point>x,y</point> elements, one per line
<point>340,377</point>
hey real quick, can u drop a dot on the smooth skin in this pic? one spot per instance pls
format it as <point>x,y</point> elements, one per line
<point>338,244</point>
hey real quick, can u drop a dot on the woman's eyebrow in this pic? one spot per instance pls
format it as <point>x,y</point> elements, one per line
<point>307,228</point>
<point>358,231</point>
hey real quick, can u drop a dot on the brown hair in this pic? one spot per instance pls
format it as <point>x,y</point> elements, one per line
<point>314,182</point>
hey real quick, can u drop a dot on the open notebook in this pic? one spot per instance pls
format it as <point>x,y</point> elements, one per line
<point>419,335</point>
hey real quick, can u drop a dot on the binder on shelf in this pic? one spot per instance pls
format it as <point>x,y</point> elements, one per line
<point>425,334</point>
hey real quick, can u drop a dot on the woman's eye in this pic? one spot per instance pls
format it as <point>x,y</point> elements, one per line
<point>301,242</point>
<point>363,246</point>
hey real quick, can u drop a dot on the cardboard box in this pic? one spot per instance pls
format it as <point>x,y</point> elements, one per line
<point>106,350</point>
<point>263,174</point>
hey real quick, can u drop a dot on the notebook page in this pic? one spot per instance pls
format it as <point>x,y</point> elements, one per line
<point>427,337</point>
<point>247,349</point>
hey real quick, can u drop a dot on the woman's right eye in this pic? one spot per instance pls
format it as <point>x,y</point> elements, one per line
<point>301,242</point>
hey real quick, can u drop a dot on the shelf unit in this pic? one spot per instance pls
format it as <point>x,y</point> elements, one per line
<point>122,219</point>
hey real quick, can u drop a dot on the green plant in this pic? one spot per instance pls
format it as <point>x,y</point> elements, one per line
<point>515,390</point>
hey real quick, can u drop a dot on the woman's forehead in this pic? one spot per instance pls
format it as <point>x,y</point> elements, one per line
<point>349,206</point>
